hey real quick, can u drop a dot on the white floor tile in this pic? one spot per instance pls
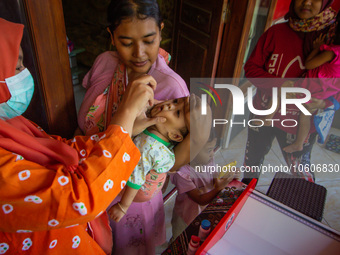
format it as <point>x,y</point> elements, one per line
<point>331,181</point>
<point>168,207</point>
<point>332,206</point>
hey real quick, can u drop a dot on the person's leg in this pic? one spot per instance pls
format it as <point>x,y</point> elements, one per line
<point>258,145</point>
<point>265,120</point>
<point>303,130</point>
<point>178,225</point>
<point>298,162</point>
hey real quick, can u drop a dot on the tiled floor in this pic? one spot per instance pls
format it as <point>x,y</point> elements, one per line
<point>168,215</point>
<point>235,151</point>
<point>331,181</point>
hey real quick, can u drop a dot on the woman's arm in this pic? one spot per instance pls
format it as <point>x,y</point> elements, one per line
<point>57,195</point>
<point>138,95</point>
<point>317,59</point>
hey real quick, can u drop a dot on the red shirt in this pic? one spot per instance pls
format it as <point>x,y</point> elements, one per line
<point>278,54</point>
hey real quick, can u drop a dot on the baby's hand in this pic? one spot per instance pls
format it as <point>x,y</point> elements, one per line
<point>319,41</point>
<point>116,213</point>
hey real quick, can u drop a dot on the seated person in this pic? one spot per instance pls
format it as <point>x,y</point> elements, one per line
<point>196,189</point>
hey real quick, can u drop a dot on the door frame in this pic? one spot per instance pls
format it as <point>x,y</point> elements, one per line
<point>46,27</point>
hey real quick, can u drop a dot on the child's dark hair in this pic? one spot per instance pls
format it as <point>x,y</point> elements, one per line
<point>336,40</point>
<point>120,10</point>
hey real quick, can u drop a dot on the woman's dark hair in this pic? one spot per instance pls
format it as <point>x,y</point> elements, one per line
<point>119,10</point>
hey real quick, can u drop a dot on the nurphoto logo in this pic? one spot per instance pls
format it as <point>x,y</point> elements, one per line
<point>240,101</point>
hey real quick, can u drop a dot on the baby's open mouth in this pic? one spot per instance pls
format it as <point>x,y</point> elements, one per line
<point>148,112</point>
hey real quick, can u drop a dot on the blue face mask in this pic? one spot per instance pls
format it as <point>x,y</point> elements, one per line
<point>21,87</point>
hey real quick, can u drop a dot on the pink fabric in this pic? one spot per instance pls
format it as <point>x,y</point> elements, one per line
<point>95,123</point>
<point>147,217</point>
<point>106,104</point>
<point>169,84</point>
<point>278,53</point>
<point>185,180</point>
<point>328,74</point>
<point>141,229</point>
<point>100,231</point>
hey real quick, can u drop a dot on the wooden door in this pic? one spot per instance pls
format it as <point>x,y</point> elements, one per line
<point>248,20</point>
<point>197,35</point>
<point>45,55</point>
<point>213,39</point>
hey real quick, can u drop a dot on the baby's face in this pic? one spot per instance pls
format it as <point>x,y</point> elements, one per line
<point>307,9</point>
<point>173,111</point>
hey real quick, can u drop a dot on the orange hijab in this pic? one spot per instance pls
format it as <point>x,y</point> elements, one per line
<point>19,135</point>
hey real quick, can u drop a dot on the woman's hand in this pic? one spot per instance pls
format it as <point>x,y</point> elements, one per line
<point>138,95</point>
<point>319,41</point>
<point>142,122</point>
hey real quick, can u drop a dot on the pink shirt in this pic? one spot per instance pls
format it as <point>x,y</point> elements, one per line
<point>185,180</point>
<point>328,74</point>
<point>169,84</point>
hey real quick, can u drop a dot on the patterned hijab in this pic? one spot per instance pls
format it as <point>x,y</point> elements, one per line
<point>310,29</point>
<point>18,135</point>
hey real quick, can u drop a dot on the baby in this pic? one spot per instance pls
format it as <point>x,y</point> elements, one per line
<point>196,189</point>
<point>155,145</point>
